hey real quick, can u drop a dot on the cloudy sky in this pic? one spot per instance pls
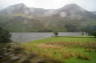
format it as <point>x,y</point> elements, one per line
<point>50,4</point>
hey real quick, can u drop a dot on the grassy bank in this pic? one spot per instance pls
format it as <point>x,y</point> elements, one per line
<point>65,49</point>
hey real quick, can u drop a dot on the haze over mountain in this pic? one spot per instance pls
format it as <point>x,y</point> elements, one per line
<point>94,12</point>
<point>66,18</point>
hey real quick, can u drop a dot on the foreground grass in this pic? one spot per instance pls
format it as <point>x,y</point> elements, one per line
<point>15,53</point>
<point>65,49</point>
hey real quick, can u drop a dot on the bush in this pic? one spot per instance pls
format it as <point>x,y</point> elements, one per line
<point>55,33</point>
<point>4,35</point>
<point>93,33</point>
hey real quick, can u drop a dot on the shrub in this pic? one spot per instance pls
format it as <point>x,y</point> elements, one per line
<point>55,34</point>
<point>93,33</point>
<point>84,57</point>
<point>4,35</point>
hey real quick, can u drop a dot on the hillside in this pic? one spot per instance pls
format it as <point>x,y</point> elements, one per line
<point>20,18</point>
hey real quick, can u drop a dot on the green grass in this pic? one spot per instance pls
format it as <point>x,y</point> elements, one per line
<point>65,49</point>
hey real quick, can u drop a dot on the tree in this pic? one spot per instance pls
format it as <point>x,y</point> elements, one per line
<point>93,33</point>
<point>71,27</point>
<point>55,34</point>
<point>4,35</point>
<point>91,29</point>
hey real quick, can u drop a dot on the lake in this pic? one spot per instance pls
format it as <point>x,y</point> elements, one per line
<point>27,37</point>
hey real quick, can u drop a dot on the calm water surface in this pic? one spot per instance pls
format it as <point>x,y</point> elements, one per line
<point>26,37</point>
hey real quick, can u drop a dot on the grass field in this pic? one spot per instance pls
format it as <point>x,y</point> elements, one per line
<point>65,49</point>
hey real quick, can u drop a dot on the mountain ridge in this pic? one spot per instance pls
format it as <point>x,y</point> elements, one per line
<point>39,19</point>
<point>22,5</point>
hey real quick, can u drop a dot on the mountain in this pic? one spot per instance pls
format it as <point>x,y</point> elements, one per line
<point>94,12</point>
<point>68,18</point>
<point>71,10</point>
<point>22,9</point>
<point>74,11</point>
<point>16,9</point>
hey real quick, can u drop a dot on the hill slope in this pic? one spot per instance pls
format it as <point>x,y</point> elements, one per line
<point>68,18</point>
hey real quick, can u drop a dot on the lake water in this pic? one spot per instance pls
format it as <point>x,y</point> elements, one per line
<point>26,37</point>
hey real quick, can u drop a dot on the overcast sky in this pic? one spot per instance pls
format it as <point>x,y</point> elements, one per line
<point>89,5</point>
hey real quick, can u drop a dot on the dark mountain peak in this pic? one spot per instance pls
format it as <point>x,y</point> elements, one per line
<point>20,8</point>
<point>74,11</point>
<point>19,5</point>
<point>72,7</point>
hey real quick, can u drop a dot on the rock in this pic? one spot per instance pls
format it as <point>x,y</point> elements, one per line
<point>1,57</point>
<point>15,58</point>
